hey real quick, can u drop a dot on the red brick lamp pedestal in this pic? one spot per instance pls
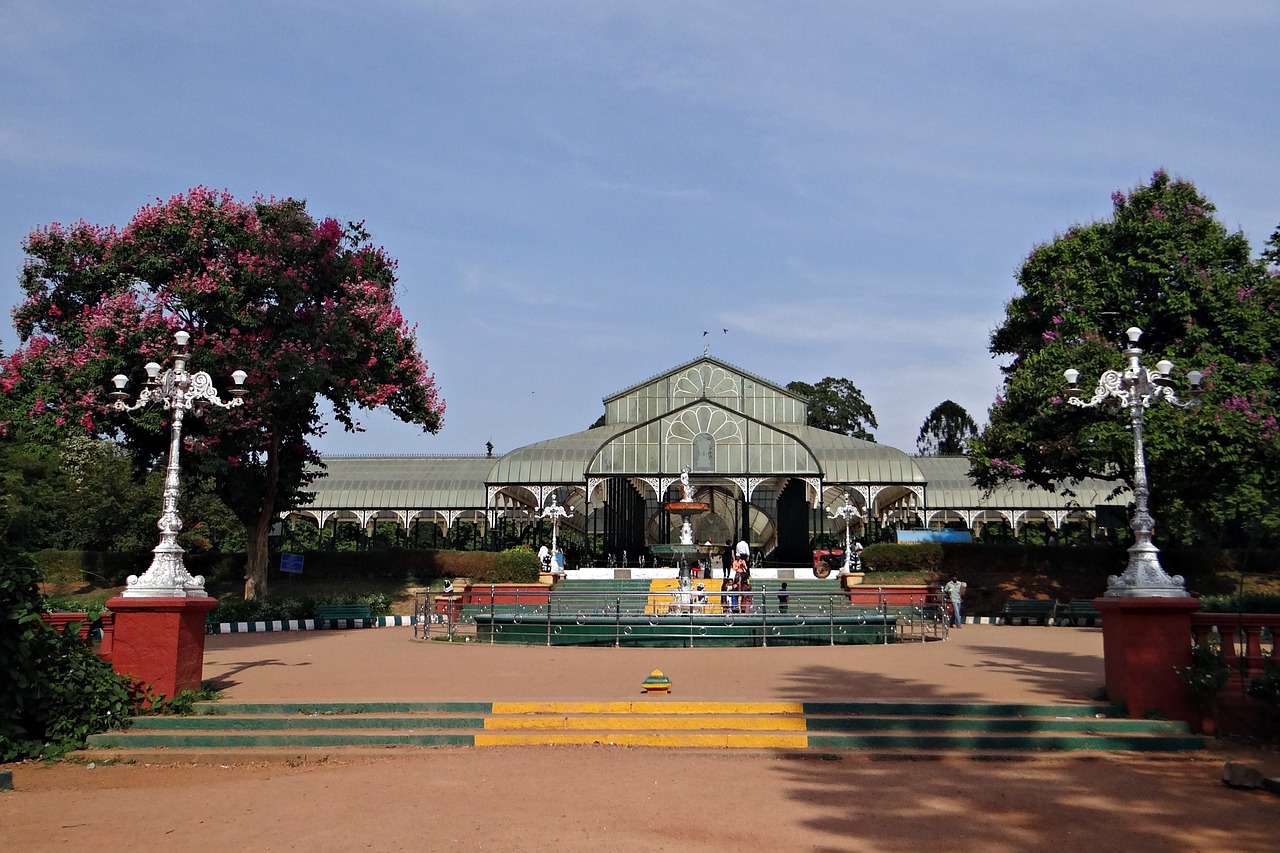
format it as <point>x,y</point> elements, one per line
<point>1146,642</point>
<point>160,641</point>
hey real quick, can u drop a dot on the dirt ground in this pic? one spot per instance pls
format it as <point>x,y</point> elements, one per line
<point>623,799</point>
<point>979,663</point>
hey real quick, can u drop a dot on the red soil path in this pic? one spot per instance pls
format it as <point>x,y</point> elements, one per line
<point>613,798</point>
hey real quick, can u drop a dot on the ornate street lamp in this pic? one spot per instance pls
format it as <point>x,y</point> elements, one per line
<point>847,512</point>
<point>178,391</point>
<point>1136,388</point>
<point>555,512</point>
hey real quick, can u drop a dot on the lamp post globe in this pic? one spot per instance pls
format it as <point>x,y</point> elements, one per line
<point>1136,388</point>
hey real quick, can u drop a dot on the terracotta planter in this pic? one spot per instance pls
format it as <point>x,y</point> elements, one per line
<point>59,621</point>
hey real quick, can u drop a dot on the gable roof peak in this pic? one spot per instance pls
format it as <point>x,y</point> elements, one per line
<point>702,359</point>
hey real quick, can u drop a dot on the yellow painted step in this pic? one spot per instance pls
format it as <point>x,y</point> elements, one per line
<point>650,707</point>
<point>644,723</point>
<point>664,739</point>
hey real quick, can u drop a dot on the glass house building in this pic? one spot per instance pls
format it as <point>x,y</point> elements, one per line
<point>765,475</point>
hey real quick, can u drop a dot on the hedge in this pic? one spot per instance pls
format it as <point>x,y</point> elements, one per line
<point>111,569</point>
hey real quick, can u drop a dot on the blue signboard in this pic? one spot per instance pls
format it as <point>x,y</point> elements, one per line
<point>291,564</point>
<point>909,537</point>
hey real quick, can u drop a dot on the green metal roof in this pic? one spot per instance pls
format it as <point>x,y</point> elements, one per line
<point>459,482</point>
<point>402,482</point>
<point>845,459</point>
<point>950,487</point>
<point>557,460</point>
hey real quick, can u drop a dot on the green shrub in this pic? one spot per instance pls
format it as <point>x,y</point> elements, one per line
<point>285,608</point>
<point>56,604</point>
<point>1208,672</point>
<point>1266,687</point>
<point>54,691</point>
<point>1250,602</point>
<point>887,557</point>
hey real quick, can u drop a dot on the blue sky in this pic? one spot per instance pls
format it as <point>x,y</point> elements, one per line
<point>576,190</point>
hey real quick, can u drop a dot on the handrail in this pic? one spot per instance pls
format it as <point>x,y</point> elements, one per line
<point>1243,637</point>
<point>759,612</point>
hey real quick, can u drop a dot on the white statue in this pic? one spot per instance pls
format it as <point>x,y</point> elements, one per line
<point>687,488</point>
<point>686,532</point>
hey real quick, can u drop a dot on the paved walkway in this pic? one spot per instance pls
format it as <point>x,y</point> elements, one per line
<point>979,663</point>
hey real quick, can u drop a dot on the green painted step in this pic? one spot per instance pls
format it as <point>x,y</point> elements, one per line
<point>174,740</point>
<point>262,722</point>
<point>985,743</point>
<point>962,709</point>
<point>1003,725</point>
<point>919,726</point>
<point>242,708</point>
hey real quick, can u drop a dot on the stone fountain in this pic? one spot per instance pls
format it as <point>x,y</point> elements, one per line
<point>686,550</point>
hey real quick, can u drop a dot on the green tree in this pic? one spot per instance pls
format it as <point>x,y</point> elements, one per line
<point>1163,263</point>
<point>946,431</point>
<point>837,405</point>
<point>307,307</point>
<point>103,502</point>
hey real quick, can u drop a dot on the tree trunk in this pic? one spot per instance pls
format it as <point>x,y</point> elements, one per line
<point>255,568</point>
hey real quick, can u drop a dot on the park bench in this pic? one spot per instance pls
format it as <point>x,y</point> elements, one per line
<point>1079,611</point>
<point>1027,611</point>
<point>346,615</point>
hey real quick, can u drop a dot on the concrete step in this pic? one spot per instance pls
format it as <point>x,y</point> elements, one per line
<point>287,728</point>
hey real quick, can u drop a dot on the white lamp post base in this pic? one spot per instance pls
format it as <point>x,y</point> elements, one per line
<point>167,577</point>
<point>1144,577</point>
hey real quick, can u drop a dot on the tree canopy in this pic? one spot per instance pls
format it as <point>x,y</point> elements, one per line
<point>946,431</point>
<point>837,405</point>
<point>1165,264</point>
<point>306,307</point>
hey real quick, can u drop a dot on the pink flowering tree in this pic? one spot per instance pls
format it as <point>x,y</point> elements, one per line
<point>1164,263</point>
<point>306,307</point>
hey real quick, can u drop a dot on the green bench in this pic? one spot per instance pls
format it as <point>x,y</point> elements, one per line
<point>1078,612</point>
<point>347,615</point>
<point>1027,611</point>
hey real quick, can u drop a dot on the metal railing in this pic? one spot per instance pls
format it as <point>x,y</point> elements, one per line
<point>764,615</point>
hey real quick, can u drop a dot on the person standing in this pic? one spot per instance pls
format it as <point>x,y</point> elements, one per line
<point>726,560</point>
<point>953,592</point>
<point>784,599</point>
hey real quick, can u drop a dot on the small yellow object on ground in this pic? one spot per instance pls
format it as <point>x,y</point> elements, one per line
<point>656,683</point>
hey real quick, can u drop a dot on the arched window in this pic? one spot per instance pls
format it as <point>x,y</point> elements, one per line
<point>704,452</point>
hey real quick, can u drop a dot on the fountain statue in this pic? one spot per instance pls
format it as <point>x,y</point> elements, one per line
<point>686,550</point>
